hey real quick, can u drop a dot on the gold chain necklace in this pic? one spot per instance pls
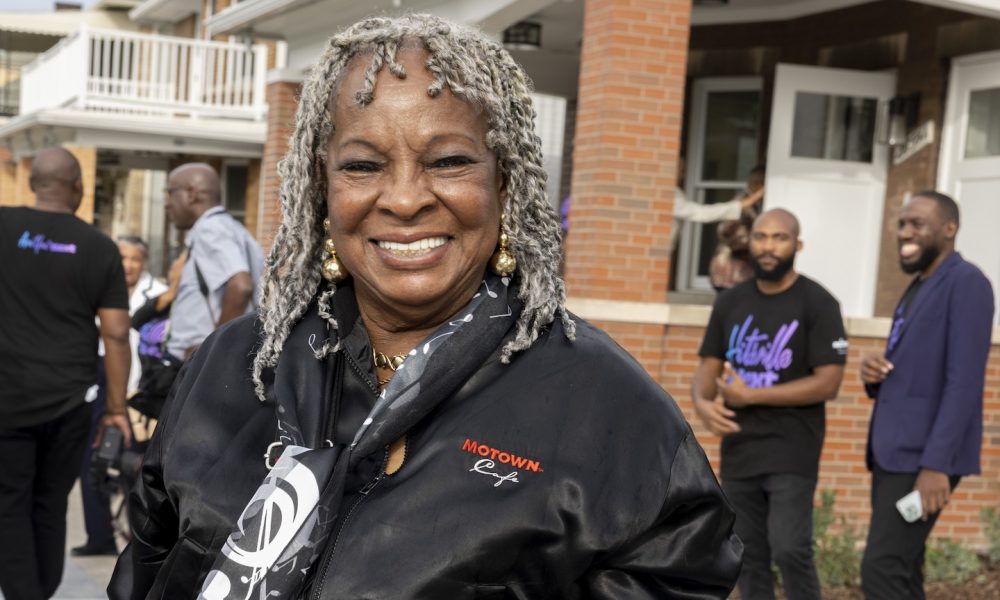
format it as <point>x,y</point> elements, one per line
<point>387,361</point>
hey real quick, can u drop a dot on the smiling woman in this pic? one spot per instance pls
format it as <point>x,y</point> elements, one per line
<point>369,434</point>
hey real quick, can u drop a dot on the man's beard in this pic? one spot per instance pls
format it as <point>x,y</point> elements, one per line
<point>928,254</point>
<point>780,269</point>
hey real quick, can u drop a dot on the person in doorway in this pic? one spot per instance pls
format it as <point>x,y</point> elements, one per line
<point>57,274</point>
<point>927,425</point>
<point>219,279</point>
<point>773,354</point>
<point>731,264</point>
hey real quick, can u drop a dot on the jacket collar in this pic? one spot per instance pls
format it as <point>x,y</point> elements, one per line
<point>928,290</point>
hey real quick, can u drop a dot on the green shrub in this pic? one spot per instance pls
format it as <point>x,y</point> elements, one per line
<point>947,560</point>
<point>838,560</point>
<point>991,522</point>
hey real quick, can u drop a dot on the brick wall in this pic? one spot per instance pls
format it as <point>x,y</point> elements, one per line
<point>252,195</point>
<point>670,355</point>
<point>282,101</point>
<point>627,139</point>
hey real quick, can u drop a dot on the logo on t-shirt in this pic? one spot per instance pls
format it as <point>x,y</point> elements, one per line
<point>39,243</point>
<point>753,349</point>
<point>840,345</point>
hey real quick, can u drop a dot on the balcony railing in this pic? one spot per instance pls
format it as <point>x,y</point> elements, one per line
<point>148,74</point>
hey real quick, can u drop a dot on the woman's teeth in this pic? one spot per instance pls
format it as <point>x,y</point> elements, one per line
<point>908,250</point>
<point>414,248</point>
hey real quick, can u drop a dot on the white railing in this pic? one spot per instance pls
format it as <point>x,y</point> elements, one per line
<point>133,72</point>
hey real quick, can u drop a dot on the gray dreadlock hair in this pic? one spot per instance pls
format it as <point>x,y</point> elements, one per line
<point>474,68</point>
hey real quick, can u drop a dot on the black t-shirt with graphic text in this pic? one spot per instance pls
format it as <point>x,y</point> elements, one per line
<point>770,340</point>
<point>56,271</point>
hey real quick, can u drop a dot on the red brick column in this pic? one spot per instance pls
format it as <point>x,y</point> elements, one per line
<point>282,101</point>
<point>628,123</point>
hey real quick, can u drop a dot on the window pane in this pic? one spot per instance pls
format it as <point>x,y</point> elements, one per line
<point>833,127</point>
<point>730,135</point>
<point>983,136</point>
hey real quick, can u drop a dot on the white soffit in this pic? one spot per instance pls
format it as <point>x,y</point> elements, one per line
<point>222,130</point>
<point>249,14</point>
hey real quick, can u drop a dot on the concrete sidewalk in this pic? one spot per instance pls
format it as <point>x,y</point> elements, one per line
<point>83,578</point>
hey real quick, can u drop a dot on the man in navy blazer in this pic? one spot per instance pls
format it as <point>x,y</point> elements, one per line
<point>927,424</point>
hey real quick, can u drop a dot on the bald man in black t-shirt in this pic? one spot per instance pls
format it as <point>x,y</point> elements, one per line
<point>773,354</point>
<point>58,274</point>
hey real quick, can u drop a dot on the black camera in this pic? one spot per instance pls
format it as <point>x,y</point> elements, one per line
<point>113,467</point>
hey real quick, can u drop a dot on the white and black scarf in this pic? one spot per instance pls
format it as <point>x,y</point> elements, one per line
<point>288,521</point>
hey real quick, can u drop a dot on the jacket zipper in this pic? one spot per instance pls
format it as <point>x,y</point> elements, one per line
<point>361,373</point>
<point>362,494</point>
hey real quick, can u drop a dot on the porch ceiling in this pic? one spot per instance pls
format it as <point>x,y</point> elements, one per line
<point>25,134</point>
<point>749,11</point>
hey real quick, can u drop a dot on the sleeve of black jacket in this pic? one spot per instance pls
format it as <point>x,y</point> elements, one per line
<point>690,552</point>
<point>152,515</point>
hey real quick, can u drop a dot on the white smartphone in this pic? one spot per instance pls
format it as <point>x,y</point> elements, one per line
<point>910,506</point>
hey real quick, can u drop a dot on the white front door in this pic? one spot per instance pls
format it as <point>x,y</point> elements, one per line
<point>969,169</point>
<point>825,165</point>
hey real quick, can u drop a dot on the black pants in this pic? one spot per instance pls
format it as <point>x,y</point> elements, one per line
<point>38,466</point>
<point>774,520</point>
<point>96,504</point>
<point>893,562</point>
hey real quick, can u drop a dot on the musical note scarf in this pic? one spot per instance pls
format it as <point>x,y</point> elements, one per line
<point>287,523</point>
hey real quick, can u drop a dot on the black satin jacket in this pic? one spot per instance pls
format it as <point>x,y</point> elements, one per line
<point>568,473</point>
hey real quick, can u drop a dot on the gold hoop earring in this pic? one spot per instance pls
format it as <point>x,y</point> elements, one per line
<point>333,269</point>
<point>503,262</point>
